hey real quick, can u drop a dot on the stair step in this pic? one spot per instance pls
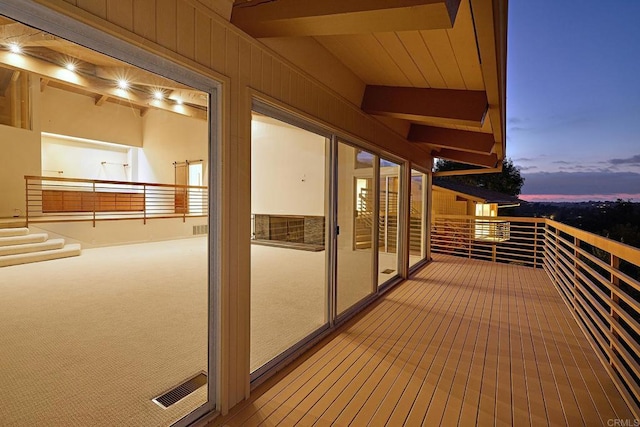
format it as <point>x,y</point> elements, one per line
<point>10,232</point>
<point>67,251</point>
<point>32,247</point>
<point>22,240</point>
<point>12,223</point>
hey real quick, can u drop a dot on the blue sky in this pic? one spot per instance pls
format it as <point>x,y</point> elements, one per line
<point>573,97</point>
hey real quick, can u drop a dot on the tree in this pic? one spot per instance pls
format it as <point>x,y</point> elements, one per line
<point>509,181</point>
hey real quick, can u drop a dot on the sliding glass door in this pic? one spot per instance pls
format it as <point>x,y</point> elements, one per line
<point>390,221</point>
<point>357,222</point>
<point>417,217</point>
<point>112,319</point>
<point>289,205</point>
<point>325,232</point>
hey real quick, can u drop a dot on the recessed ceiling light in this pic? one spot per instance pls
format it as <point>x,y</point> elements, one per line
<point>70,66</point>
<point>15,48</point>
<point>179,101</point>
<point>158,94</point>
<point>123,84</point>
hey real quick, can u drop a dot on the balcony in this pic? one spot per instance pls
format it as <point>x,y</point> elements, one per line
<point>545,335</point>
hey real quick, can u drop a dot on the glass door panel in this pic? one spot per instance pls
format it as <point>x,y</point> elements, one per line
<point>289,206</point>
<point>389,215</point>
<point>356,221</point>
<point>105,332</point>
<point>417,218</point>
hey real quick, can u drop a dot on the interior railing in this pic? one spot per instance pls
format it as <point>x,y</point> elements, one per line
<point>54,199</point>
<point>598,278</point>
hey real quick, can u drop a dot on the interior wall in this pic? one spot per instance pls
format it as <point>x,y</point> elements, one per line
<point>287,169</point>
<point>76,159</point>
<point>169,138</point>
<point>68,113</point>
<point>347,174</point>
<point>110,233</point>
<point>20,156</point>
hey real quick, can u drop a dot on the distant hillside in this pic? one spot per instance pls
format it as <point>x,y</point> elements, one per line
<point>619,220</point>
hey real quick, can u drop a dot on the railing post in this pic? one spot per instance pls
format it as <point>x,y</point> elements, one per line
<point>493,252</point>
<point>535,244</point>
<point>26,198</point>
<point>93,186</point>
<point>184,207</point>
<point>469,233</point>
<point>615,283</point>
<point>576,245</point>
<point>144,204</point>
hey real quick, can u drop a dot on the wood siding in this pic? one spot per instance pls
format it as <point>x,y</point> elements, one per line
<point>191,33</point>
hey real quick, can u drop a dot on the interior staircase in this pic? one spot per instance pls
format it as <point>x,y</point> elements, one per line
<point>18,246</point>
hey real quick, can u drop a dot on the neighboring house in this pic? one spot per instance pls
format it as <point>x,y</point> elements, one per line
<point>453,198</point>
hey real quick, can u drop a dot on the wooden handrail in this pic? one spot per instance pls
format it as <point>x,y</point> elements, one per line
<point>621,250</point>
<point>99,181</point>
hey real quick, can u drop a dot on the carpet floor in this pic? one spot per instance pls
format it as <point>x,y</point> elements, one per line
<point>91,340</point>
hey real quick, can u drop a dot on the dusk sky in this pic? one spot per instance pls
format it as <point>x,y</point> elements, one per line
<point>573,98</point>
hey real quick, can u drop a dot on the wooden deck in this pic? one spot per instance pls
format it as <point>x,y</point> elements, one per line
<point>464,342</point>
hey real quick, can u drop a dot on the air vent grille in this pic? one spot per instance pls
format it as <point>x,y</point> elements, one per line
<point>200,229</point>
<point>181,391</point>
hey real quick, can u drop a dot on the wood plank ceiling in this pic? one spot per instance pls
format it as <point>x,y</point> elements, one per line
<point>92,74</point>
<point>419,59</point>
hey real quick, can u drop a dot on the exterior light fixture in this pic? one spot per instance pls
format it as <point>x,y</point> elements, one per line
<point>158,95</point>
<point>70,66</point>
<point>179,101</point>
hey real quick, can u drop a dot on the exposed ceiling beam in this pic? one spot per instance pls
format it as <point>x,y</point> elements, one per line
<point>94,85</point>
<point>100,100</point>
<point>478,171</point>
<point>490,18</point>
<point>291,18</point>
<point>24,36</point>
<point>473,142</point>
<point>463,107</point>
<point>485,160</point>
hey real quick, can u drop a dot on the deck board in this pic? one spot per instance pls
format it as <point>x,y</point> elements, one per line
<point>463,342</point>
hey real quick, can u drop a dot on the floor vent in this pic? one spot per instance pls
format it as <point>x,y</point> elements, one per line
<point>387,271</point>
<point>181,391</point>
<point>200,229</point>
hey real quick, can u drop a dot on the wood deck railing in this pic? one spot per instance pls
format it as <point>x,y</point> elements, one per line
<point>513,240</point>
<point>598,278</point>
<point>54,199</point>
